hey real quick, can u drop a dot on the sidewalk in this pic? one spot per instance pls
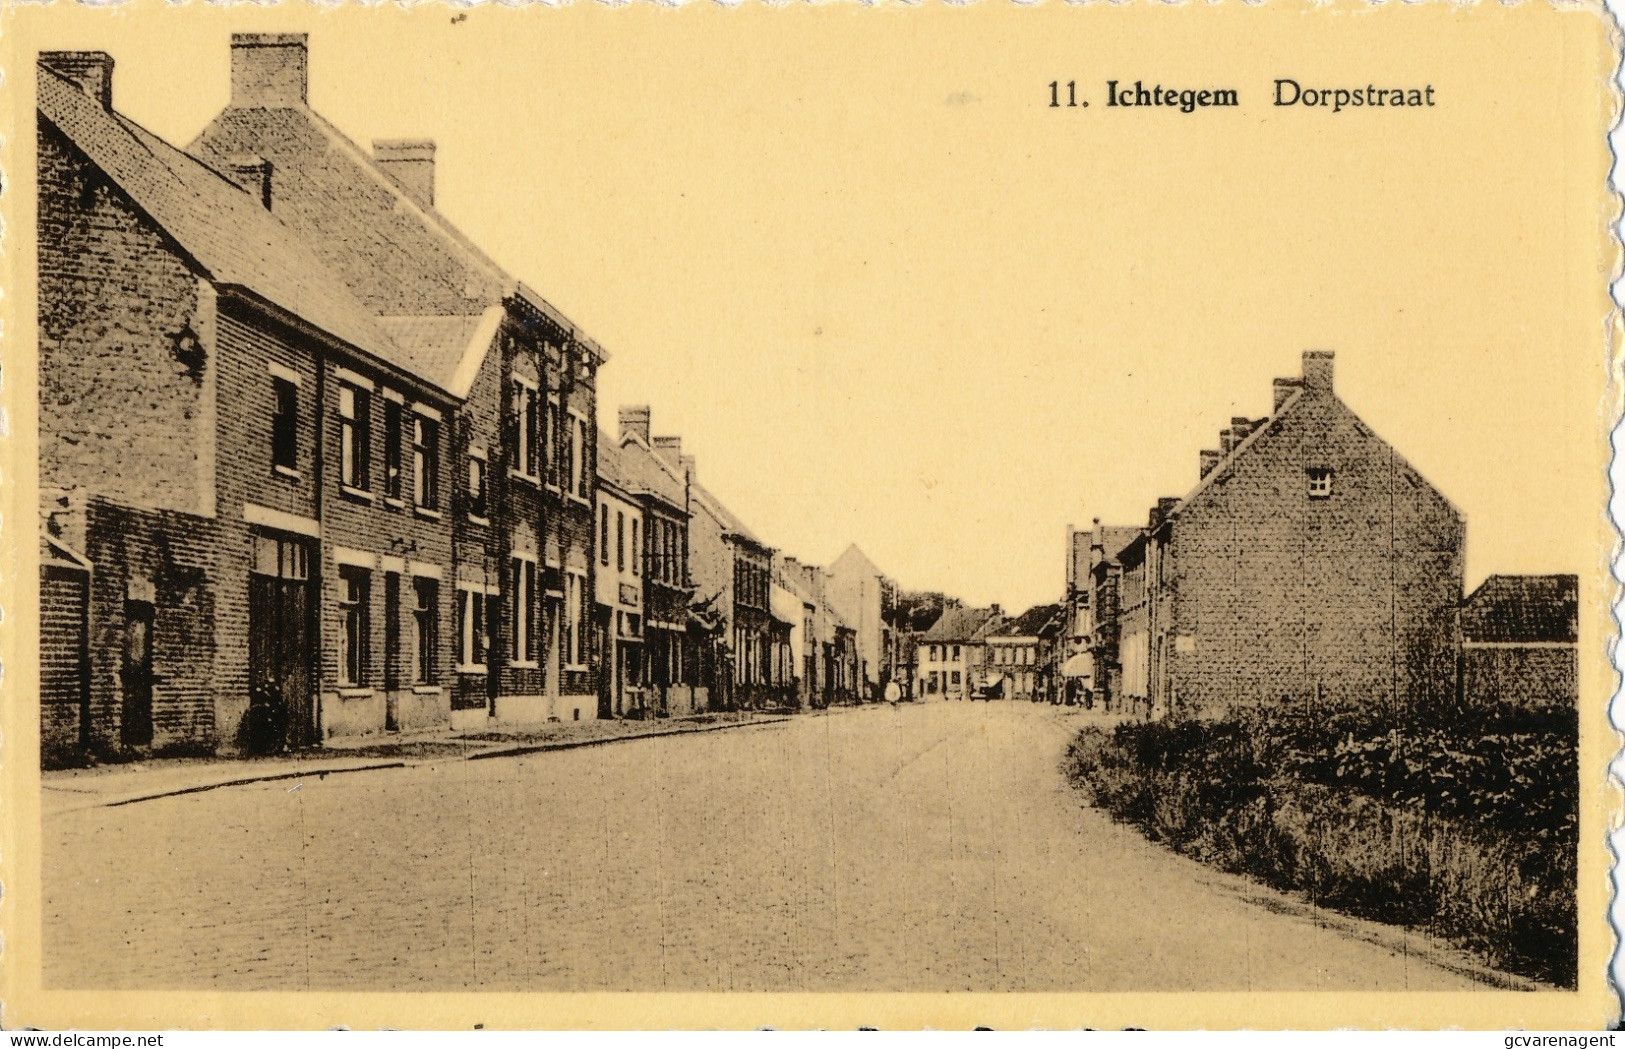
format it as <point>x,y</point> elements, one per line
<point>69,790</point>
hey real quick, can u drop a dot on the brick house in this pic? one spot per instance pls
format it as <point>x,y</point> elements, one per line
<point>731,571</point>
<point>213,407</point>
<point>1519,637</point>
<point>677,643</point>
<point>1310,565</point>
<point>1085,553</point>
<point>949,653</point>
<point>521,477</point>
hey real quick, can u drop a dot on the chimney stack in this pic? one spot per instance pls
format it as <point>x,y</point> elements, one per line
<point>268,70</point>
<point>671,448</point>
<point>409,162</point>
<point>1210,459</point>
<point>1283,389</point>
<point>1227,442</point>
<point>635,422</point>
<point>689,470</point>
<point>253,173</point>
<point>1317,370</point>
<point>92,71</point>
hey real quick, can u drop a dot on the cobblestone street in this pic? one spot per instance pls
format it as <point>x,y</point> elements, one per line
<point>927,847</point>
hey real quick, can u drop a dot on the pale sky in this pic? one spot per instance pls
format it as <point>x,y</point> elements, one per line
<point>886,295</point>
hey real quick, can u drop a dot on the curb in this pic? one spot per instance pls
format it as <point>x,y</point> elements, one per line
<point>399,763</point>
<point>575,744</point>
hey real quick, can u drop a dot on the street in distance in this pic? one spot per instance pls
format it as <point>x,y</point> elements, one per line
<point>1287,92</point>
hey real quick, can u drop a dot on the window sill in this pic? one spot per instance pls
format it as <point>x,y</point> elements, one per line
<point>477,519</point>
<point>576,668</point>
<point>524,664</point>
<point>360,495</point>
<point>583,500</point>
<point>426,690</point>
<point>472,668</point>
<point>394,503</point>
<point>424,511</point>
<point>355,692</point>
<point>287,471</point>
<point>530,479</point>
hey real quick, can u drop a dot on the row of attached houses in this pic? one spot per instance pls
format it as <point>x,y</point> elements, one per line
<point>1310,566</point>
<point>313,465</point>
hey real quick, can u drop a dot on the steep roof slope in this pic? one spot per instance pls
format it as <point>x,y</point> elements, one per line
<point>958,623</point>
<point>225,230</point>
<point>1514,608</point>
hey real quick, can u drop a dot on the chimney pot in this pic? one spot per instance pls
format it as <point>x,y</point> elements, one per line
<point>253,173</point>
<point>1210,459</point>
<point>409,162</point>
<point>634,420</point>
<point>268,70</point>
<point>1317,370</point>
<point>92,71</point>
<point>1227,442</point>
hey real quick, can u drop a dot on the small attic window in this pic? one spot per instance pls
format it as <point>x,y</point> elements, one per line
<point>1320,482</point>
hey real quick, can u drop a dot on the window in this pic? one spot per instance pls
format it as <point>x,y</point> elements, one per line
<point>550,442</point>
<point>932,682</point>
<point>355,586</point>
<point>636,549</point>
<point>1320,482</point>
<point>355,436</point>
<point>281,558</point>
<point>620,541</point>
<point>522,611</point>
<point>956,653</point>
<point>525,429</point>
<point>578,456</point>
<point>393,437</point>
<point>477,483</point>
<point>603,534</point>
<point>473,640</point>
<point>425,628</point>
<point>285,424</point>
<point>426,461</point>
<point>955,678</point>
<point>574,643</point>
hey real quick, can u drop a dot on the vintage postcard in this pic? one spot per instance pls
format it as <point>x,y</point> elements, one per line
<point>592,516</point>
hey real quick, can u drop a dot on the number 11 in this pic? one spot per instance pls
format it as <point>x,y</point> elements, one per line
<point>1055,93</point>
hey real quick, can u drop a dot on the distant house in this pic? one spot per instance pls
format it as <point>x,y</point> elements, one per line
<point>1019,653</point>
<point>949,652</point>
<point>1085,552</point>
<point>1520,641</point>
<point>1310,565</point>
<point>864,598</point>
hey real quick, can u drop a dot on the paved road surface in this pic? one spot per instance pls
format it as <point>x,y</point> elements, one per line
<point>926,847</point>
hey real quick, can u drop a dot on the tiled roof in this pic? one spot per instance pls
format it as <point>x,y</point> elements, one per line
<point>1030,623</point>
<point>958,623</point>
<point>1523,608</point>
<point>223,228</point>
<point>398,256</point>
<point>437,348</point>
<point>645,475</point>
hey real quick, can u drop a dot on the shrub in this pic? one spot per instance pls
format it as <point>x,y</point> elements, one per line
<point>1466,828</point>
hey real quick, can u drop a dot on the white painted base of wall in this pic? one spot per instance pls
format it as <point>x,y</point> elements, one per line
<point>476,720</point>
<point>521,710</point>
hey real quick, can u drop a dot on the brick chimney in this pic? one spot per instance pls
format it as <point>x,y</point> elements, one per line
<point>409,162</point>
<point>1227,442</point>
<point>253,173</point>
<point>634,420</point>
<point>268,70</point>
<point>1210,459</point>
<point>670,447</point>
<point>689,469</point>
<point>1317,370</point>
<point>1284,388</point>
<point>92,71</point>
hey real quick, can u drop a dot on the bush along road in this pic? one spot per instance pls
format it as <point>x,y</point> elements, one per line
<point>1463,825</point>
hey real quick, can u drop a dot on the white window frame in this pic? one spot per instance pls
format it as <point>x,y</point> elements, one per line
<point>575,620</point>
<point>1320,481</point>
<point>524,582</point>
<point>526,425</point>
